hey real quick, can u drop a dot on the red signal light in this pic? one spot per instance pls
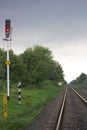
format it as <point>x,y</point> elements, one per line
<point>7,29</point>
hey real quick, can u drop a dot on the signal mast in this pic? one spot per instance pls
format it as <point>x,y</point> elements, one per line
<point>8,32</point>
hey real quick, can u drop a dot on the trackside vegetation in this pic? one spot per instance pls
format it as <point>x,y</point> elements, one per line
<point>33,100</point>
<point>80,81</point>
<point>39,75</point>
<point>32,67</point>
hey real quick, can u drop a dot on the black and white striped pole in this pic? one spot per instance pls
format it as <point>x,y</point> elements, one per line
<point>19,92</point>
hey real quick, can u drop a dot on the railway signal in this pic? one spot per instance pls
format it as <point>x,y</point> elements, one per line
<point>8,33</point>
<point>7,28</point>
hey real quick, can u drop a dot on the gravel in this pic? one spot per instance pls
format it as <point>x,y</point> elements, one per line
<point>75,113</point>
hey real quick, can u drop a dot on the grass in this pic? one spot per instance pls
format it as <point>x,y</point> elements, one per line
<point>80,88</point>
<point>84,91</point>
<point>21,115</point>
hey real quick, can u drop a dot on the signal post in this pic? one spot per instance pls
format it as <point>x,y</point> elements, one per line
<point>8,41</point>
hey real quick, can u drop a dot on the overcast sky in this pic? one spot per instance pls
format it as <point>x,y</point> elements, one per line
<point>60,25</point>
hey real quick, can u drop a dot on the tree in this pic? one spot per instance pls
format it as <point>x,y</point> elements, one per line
<point>2,65</point>
<point>41,66</point>
<point>17,68</point>
<point>32,67</point>
<point>80,80</point>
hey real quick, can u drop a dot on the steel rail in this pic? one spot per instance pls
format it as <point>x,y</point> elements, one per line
<point>83,99</point>
<point>61,110</point>
<point>63,104</point>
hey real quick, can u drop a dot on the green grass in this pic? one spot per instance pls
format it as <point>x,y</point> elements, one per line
<point>21,115</point>
<point>84,91</point>
<point>80,88</point>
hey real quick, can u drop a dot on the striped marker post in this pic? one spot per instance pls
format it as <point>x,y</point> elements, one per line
<point>19,92</point>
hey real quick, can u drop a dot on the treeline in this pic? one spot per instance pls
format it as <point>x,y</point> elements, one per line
<point>32,67</point>
<point>80,81</point>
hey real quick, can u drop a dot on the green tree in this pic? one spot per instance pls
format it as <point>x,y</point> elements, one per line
<point>36,61</point>
<point>17,68</point>
<point>2,65</point>
<point>41,66</point>
<point>80,80</point>
<point>32,67</point>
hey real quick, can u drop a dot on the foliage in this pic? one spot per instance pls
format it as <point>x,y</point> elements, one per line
<point>32,67</point>
<point>41,66</point>
<point>80,81</point>
<point>32,102</point>
<point>17,68</point>
<point>2,64</point>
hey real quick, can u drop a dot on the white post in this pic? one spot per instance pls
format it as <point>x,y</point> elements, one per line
<point>8,38</point>
<point>8,93</point>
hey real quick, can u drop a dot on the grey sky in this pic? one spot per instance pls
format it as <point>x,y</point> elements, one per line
<point>60,25</point>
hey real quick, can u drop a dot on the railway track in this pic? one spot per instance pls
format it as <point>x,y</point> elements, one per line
<point>73,112</point>
<point>71,115</point>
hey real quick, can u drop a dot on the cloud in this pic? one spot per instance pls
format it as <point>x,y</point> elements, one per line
<point>72,57</point>
<point>58,25</point>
